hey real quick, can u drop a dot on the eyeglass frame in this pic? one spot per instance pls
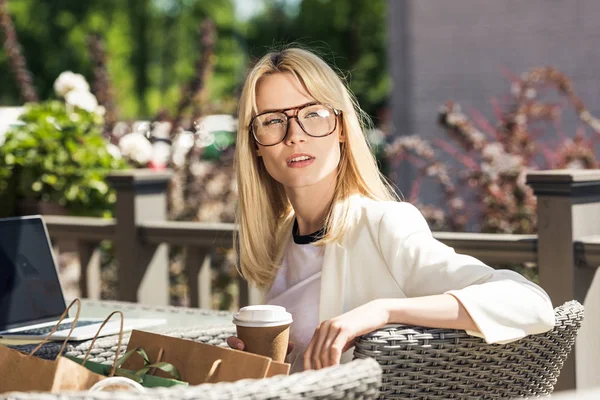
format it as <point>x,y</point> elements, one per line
<point>336,111</point>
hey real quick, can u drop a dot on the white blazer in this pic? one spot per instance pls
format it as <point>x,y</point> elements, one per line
<point>390,253</point>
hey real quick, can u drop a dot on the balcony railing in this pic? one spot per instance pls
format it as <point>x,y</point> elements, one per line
<point>566,249</point>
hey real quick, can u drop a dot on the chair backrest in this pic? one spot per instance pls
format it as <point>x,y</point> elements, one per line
<point>426,363</point>
<point>357,380</point>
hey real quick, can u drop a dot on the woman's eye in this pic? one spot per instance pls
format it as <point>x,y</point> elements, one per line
<point>317,114</point>
<point>274,121</point>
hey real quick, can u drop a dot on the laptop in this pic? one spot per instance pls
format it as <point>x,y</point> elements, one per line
<point>31,296</point>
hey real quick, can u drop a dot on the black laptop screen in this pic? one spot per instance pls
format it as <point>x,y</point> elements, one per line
<point>29,286</point>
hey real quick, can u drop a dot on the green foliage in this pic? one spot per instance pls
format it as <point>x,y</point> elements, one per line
<point>151,47</point>
<point>53,46</point>
<point>57,154</point>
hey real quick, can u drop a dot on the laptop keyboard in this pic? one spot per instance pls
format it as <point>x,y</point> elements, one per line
<point>47,329</point>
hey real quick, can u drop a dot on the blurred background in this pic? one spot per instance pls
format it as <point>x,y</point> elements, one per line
<point>465,96</point>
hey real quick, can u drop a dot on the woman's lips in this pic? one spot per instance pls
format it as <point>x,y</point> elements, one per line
<point>301,164</point>
<point>300,160</point>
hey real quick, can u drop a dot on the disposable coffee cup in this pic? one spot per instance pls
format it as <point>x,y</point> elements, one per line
<point>265,330</point>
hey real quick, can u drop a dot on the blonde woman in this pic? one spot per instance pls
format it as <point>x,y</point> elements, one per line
<point>323,234</point>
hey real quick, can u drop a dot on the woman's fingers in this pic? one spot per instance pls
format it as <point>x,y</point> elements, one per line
<point>235,343</point>
<point>307,357</point>
<point>319,346</point>
<point>326,346</point>
<point>339,345</point>
<point>324,355</point>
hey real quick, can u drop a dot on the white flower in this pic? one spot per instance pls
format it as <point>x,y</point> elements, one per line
<point>82,99</point>
<point>161,152</point>
<point>493,150</point>
<point>178,158</point>
<point>182,144</point>
<point>136,147</point>
<point>522,178</point>
<point>457,203</point>
<point>216,123</point>
<point>509,163</point>
<point>489,170</point>
<point>530,93</point>
<point>375,136</point>
<point>575,164</point>
<point>478,137</point>
<point>521,119</point>
<point>161,129</point>
<point>183,141</point>
<point>515,88</point>
<point>120,129</point>
<point>114,151</point>
<point>200,169</point>
<point>9,117</point>
<point>142,127</point>
<point>68,81</point>
<point>455,118</point>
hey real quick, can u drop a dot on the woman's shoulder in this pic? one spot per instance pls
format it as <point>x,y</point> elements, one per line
<point>380,210</point>
<point>382,217</point>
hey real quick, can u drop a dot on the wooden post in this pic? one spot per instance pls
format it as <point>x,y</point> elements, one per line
<point>249,294</point>
<point>568,209</point>
<point>143,269</point>
<point>197,268</point>
<point>89,259</point>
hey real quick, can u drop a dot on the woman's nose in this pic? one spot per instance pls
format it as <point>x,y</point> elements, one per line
<point>295,133</point>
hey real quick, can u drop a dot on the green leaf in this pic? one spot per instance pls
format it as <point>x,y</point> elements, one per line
<point>163,366</point>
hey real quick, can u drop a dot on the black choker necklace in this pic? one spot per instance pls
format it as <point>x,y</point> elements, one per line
<point>305,239</point>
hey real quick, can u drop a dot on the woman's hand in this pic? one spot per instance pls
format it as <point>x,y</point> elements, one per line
<point>335,336</point>
<point>235,343</point>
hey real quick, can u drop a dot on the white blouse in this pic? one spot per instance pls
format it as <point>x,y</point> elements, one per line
<point>297,288</point>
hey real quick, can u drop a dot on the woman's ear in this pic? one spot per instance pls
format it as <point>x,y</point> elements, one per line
<point>342,136</point>
<point>258,153</point>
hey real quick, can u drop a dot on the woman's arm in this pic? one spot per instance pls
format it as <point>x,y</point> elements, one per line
<point>436,311</point>
<point>335,336</point>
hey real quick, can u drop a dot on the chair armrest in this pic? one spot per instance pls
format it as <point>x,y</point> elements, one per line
<point>430,362</point>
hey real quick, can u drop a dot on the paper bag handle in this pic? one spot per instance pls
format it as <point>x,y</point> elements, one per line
<point>87,354</point>
<point>213,369</point>
<point>62,317</point>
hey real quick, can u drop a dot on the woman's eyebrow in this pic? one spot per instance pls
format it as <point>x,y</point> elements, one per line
<point>284,109</point>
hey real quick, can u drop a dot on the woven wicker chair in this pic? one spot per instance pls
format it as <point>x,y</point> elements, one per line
<point>424,363</point>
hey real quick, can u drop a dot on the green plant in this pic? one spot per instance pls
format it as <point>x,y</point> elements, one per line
<point>57,154</point>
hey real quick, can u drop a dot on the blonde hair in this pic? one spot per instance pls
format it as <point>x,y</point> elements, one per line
<point>264,211</point>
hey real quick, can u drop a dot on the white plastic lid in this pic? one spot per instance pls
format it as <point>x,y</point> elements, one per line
<point>262,316</point>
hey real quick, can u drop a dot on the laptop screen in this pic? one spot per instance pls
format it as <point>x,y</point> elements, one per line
<point>29,287</point>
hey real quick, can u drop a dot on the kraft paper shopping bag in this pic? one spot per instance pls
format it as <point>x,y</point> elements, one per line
<point>27,373</point>
<point>199,363</point>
